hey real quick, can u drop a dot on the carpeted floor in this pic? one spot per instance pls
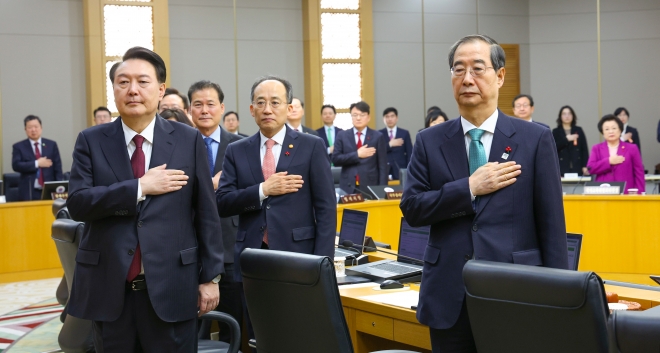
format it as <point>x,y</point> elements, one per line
<point>33,328</point>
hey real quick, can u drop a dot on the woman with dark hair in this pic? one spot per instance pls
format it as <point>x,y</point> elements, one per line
<point>616,160</point>
<point>176,115</point>
<point>435,117</point>
<point>571,143</point>
<point>629,133</point>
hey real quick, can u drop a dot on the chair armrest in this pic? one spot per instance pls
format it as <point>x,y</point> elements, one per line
<point>252,343</point>
<point>234,329</point>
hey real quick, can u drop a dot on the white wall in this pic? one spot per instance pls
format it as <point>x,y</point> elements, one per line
<point>269,43</point>
<point>42,72</point>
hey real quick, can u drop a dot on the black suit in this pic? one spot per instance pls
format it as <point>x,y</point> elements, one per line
<point>22,161</point>
<point>307,130</point>
<point>572,158</point>
<point>372,170</point>
<point>635,137</point>
<point>241,135</point>
<point>324,136</point>
<point>398,157</point>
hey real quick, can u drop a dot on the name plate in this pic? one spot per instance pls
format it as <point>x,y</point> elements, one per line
<point>352,198</point>
<point>395,195</point>
<point>59,195</point>
<point>602,190</point>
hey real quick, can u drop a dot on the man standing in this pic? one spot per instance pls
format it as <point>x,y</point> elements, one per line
<point>37,159</point>
<point>399,148</point>
<point>328,132</point>
<point>295,117</point>
<point>173,99</point>
<point>360,152</point>
<point>463,180</point>
<point>102,115</point>
<point>206,109</point>
<point>231,122</point>
<point>151,253</point>
<point>523,108</point>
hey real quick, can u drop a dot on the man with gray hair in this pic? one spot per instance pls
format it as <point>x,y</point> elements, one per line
<point>470,206</point>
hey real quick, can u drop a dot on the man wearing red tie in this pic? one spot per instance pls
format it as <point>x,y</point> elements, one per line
<point>37,159</point>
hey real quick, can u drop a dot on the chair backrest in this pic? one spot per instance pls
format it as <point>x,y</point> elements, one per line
<point>336,175</point>
<point>11,181</point>
<point>67,233</point>
<point>636,331</point>
<point>58,204</point>
<point>518,308</point>
<point>293,302</point>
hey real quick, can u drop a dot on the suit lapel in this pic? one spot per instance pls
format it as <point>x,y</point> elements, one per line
<point>289,149</point>
<point>114,149</point>
<point>504,130</point>
<point>370,138</point>
<point>163,146</point>
<point>220,156</point>
<point>454,151</point>
<point>254,157</point>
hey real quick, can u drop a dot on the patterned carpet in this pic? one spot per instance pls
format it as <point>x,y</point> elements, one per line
<point>19,323</point>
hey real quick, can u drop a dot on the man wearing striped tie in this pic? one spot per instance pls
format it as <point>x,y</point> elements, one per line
<point>489,187</point>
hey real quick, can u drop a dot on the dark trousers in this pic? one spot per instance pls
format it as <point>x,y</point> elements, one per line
<point>36,194</point>
<point>230,301</point>
<point>457,339</point>
<point>139,329</point>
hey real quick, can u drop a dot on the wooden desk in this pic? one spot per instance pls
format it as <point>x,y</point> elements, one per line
<point>28,251</point>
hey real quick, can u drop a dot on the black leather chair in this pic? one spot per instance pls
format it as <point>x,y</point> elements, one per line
<point>336,175</point>
<point>294,303</point>
<point>209,346</point>
<point>58,204</point>
<point>517,308</point>
<point>11,181</point>
<point>60,211</point>
<point>635,332</point>
<point>76,335</point>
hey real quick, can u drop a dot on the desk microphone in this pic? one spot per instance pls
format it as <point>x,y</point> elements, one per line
<point>367,195</point>
<point>577,184</point>
<point>349,243</point>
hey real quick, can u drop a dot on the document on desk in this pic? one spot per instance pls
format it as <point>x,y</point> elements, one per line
<point>405,299</point>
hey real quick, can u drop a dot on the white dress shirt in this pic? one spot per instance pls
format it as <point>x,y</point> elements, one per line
<point>147,146</point>
<point>36,163</point>
<point>393,131</point>
<point>362,137</point>
<point>625,127</point>
<point>294,128</point>
<point>277,149</point>
<point>486,139</point>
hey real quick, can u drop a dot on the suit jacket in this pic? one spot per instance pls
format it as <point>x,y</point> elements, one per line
<point>241,135</point>
<point>179,232</point>
<point>635,137</point>
<point>22,161</point>
<point>229,224</point>
<point>304,221</point>
<point>398,157</point>
<point>631,170</point>
<point>572,158</point>
<point>309,131</point>
<point>324,136</point>
<point>372,170</point>
<point>522,223</point>
<point>540,123</point>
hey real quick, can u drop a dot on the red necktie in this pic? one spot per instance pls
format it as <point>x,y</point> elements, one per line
<point>268,169</point>
<point>137,163</point>
<point>359,144</point>
<point>37,155</point>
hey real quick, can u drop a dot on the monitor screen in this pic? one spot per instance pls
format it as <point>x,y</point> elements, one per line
<point>412,241</point>
<point>353,227</point>
<point>574,243</point>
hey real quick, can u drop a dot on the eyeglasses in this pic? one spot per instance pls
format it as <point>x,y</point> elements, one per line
<point>477,70</point>
<point>519,106</point>
<point>361,115</point>
<point>262,104</point>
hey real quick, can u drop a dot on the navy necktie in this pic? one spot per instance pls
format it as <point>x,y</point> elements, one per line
<point>209,153</point>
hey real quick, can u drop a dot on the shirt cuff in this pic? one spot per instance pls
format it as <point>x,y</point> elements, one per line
<point>472,197</point>
<point>36,164</point>
<point>328,150</point>
<point>262,197</point>
<point>140,197</point>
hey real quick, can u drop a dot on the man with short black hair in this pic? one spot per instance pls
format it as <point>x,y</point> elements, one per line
<point>37,159</point>
<point>328,133</point>
<point>523,108</point>
<point>361,152</point>
<point>102,115</point>
<point>231,123</point>
<point>151,254</point>
<point>295,117</point>
<point>399,147</point>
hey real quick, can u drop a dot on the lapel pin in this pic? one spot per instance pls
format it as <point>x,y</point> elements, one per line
<point>505,155</point>
<point>286,153</point>
<point>43,144</point>
<point>290,146</point>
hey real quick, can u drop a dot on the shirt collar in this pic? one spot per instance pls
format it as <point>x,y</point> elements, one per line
<point>147,133</point>
<point>33,141</point>
<point>488,125</point>
<point>299,127</point>
<point>364,131</point>
<point>215,135</point>
<point>278,138</point>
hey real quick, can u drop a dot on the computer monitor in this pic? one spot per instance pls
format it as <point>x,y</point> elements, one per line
<point>353,228</point>
<point>55,190</point>
<point>379,191</point>
<point>574,244</point>
<point>2,189</point>
<point>412,242</point>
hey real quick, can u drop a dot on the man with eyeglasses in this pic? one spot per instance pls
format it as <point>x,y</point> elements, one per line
<point>523,108</point>
<point>361,152</point>
<point>489,187</point>
<point>295,117</point>
<point>278,182</point>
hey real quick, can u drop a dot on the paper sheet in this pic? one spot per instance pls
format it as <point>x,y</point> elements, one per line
<point>404,299</point>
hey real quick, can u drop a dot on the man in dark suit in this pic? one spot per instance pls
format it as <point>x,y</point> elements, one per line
<point>150,258</point>
<point>206,109</point>
<point>37,159</point>
<point>231,123</point>
<point>629,133</point>
<point>295,117</point>
<point>523,108</point>
<point>360,152</point>
<point>399,147</point>
<point>488,185</point>
<point>278,181</point>
<point>328,133</point>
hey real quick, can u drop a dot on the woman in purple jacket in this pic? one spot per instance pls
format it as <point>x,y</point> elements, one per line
<point>616,160</point>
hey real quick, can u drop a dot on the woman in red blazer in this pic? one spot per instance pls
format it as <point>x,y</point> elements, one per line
<point>615,160</point>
